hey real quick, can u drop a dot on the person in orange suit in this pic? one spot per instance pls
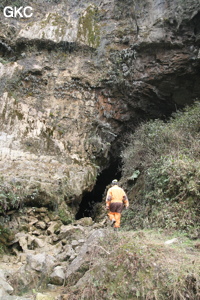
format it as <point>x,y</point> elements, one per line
<point>116,200</point>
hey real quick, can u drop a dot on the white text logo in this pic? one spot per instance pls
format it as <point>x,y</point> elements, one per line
<point>14,12</point>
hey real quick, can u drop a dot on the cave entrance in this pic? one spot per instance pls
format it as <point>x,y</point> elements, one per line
<point>86,207</point>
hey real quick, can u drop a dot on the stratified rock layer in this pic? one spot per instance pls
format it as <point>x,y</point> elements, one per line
<point>77,76</point>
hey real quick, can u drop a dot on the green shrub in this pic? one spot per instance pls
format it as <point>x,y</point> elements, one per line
<point>166,157</point>
<point>5,237</point>
<point>154,139</point>
<point>10,196</point>
<point>65,217</point>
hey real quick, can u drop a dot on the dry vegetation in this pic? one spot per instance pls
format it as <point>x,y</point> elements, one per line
<point>139,265</point>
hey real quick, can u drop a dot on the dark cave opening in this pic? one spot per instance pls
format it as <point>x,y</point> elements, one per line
<point>86,207</point>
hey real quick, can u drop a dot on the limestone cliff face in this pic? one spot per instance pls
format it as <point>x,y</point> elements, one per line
<point>76,76</point>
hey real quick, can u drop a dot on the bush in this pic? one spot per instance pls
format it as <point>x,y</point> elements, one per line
<point>167,156</point>
<point>6,236</point>
<point>10,196</point>
<point>155,139</point>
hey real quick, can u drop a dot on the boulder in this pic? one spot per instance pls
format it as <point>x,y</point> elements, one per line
<point>175,240</point>
<point>41,209</point>
<point>74,243</point>
<point>32,220</point>
<point>40,296</point>
<point>40,262</point>
<point>56,249</point>
<point>65,296</point>
<point>5,287</point>
<point>54,225</point>
<point>27,241</point>
<point>53,238</point>
<point>39,242</point>
<point>70,231</point>
<point>68,253</point>
<point>57,277</point>
<point>41,225</point>
<point>87,221</point>
<point>82,257</point>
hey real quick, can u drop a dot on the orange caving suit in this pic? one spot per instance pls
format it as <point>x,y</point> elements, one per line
<point>116,199</point>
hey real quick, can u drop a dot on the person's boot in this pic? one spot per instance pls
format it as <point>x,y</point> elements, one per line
<point>113,222</point>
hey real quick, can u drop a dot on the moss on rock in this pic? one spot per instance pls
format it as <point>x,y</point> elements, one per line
<point>64,214</point>
<point>88,30</point>
<point>6,236</point>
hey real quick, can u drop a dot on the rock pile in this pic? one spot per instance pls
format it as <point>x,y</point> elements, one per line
<point>47,253</point>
